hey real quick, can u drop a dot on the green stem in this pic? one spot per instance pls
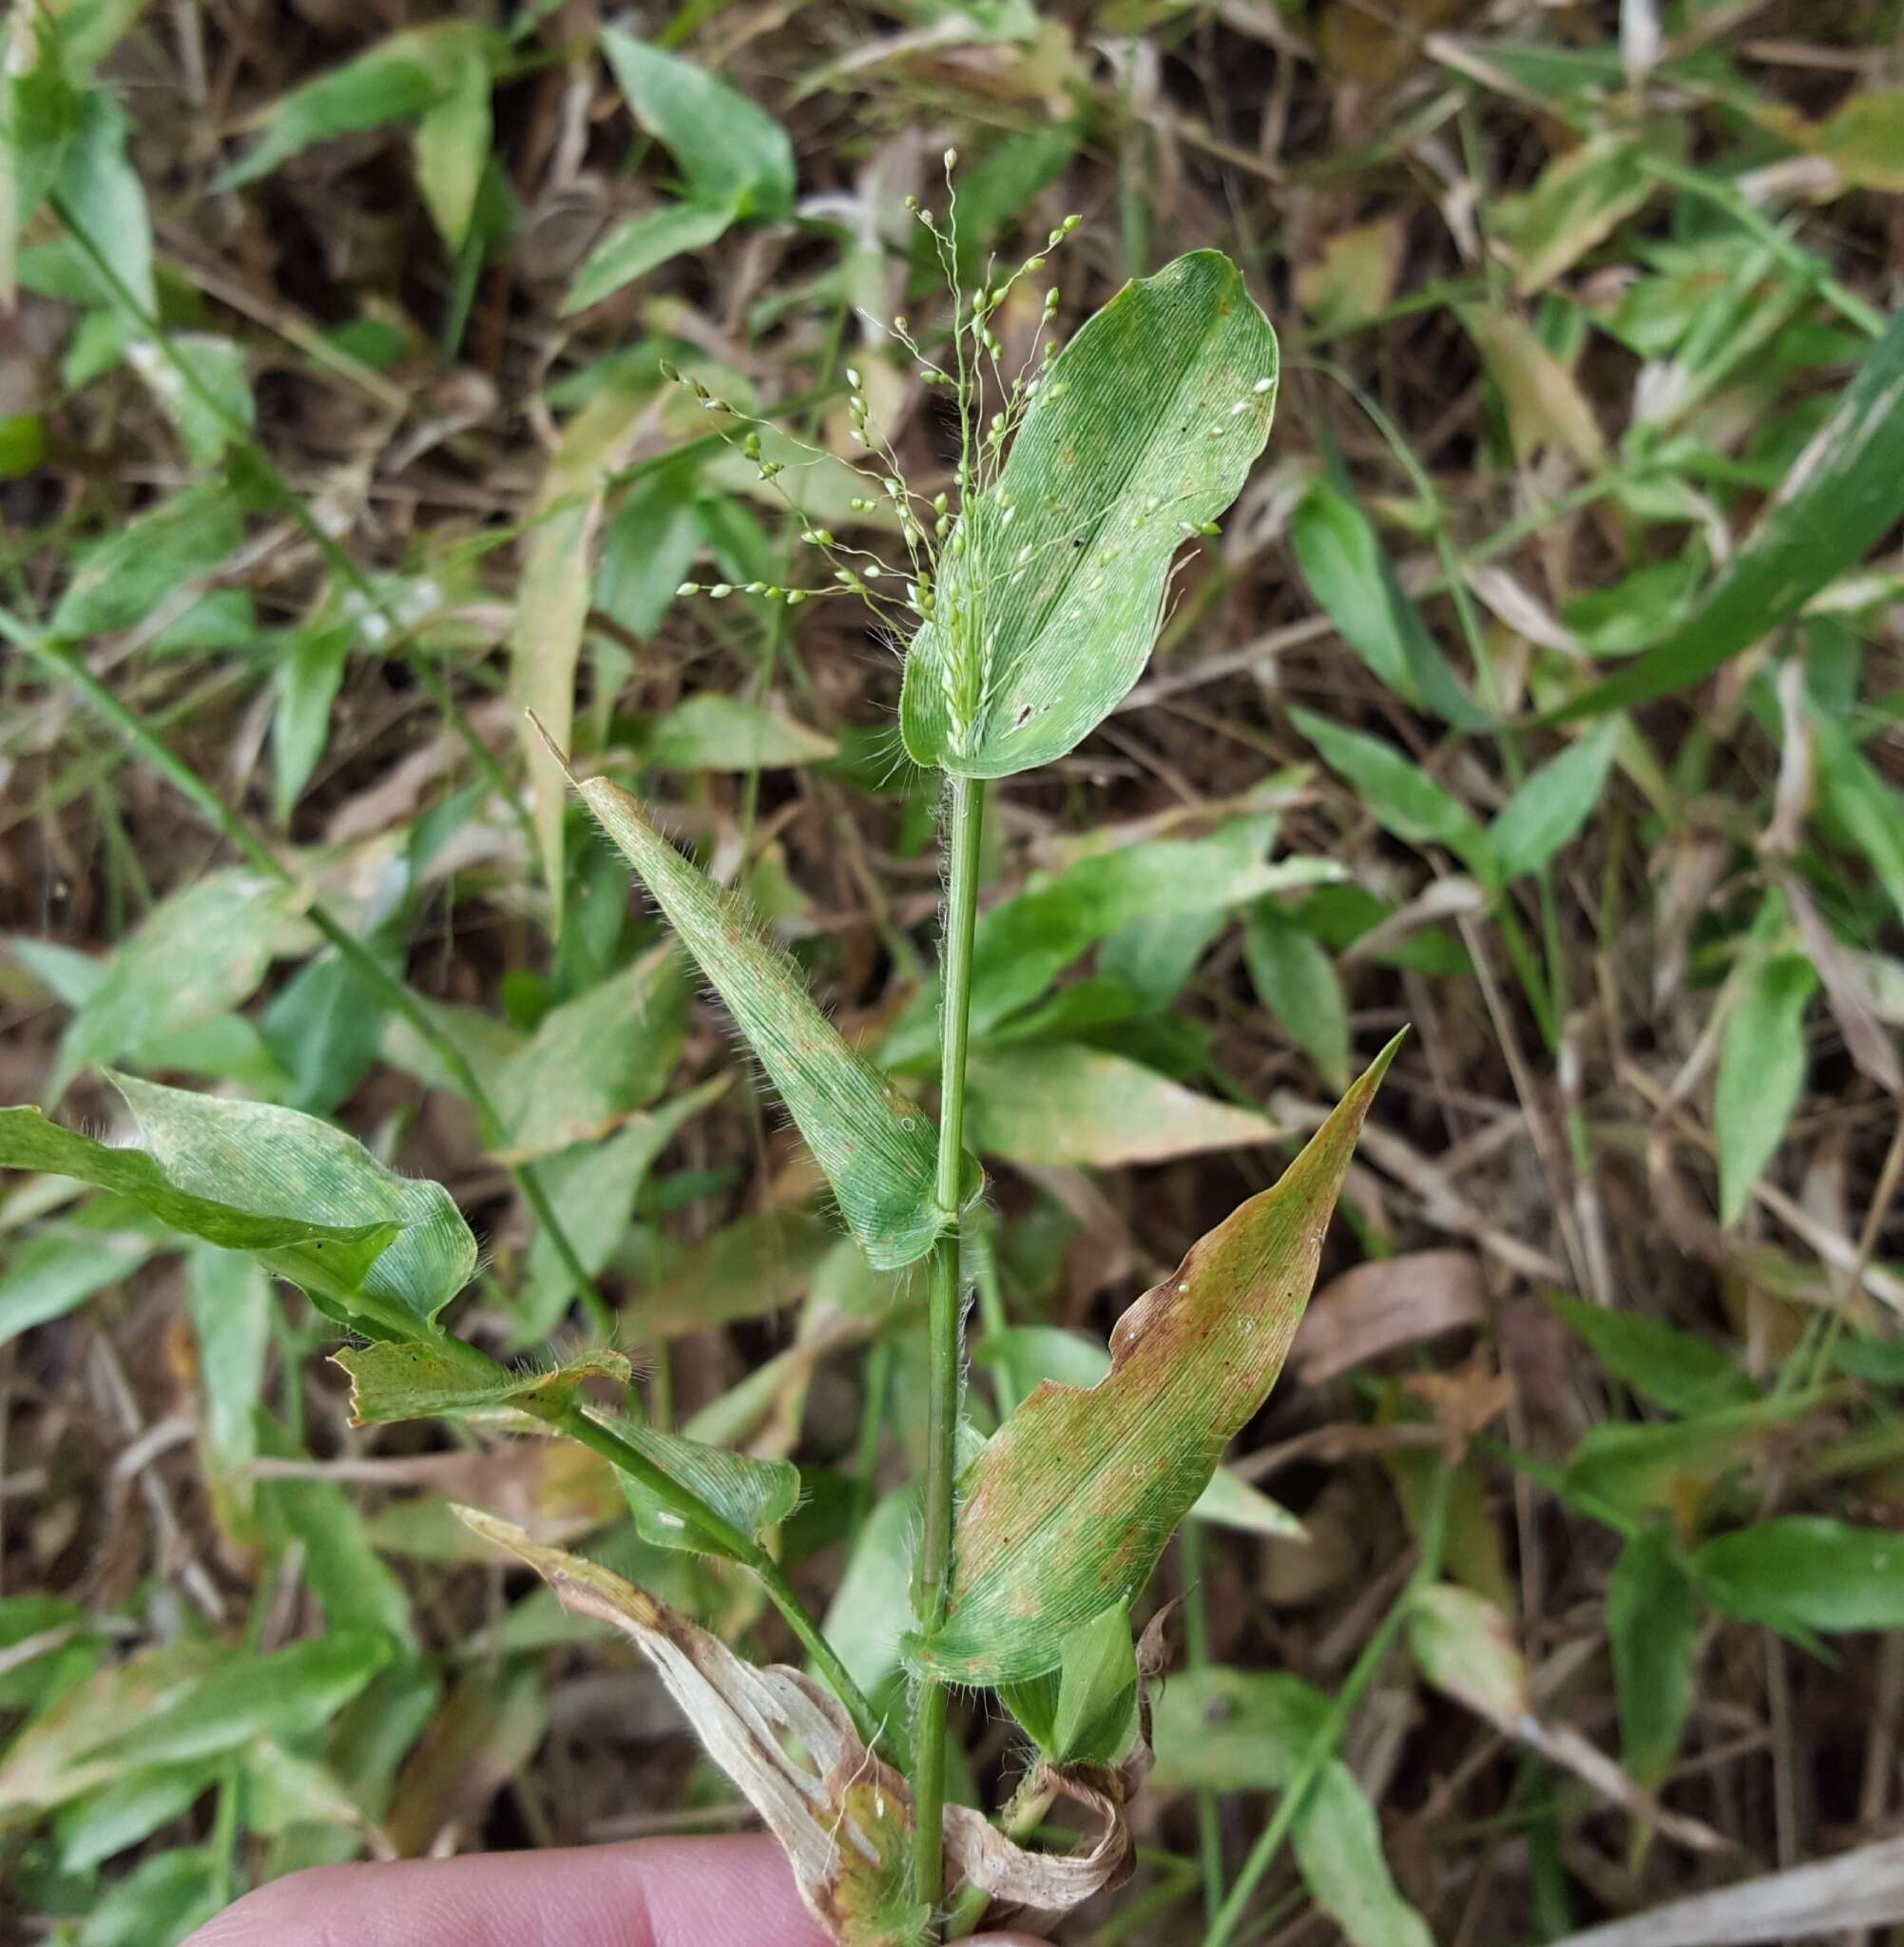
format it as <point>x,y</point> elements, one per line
<point>1717,189</point>
<point>932,1584</point>
<point>1308,1767</point>
<point>1191,1539</point>
<point>68,669</point>
<point>1021,1817</point>
<point>571,1418</point>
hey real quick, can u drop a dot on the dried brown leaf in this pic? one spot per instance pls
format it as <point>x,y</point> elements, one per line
<point>842,1814</point>
<point>1387,1303</point>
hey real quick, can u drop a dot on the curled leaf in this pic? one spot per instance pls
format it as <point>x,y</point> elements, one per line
<point>842,1816</point>
<point>377,1250</point>
<point>444,1378</point>
<point>1067,1508</point>
<point>750,1494</point>
<point>1142,429</point>
<point>877,1148</point>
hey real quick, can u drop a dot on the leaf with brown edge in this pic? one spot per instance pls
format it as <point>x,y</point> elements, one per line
<point>843,1817</point>
<point>1067,1508</point>
<point>437,1377</point>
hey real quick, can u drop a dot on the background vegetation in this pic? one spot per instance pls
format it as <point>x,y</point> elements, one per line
<point>1542,691</point>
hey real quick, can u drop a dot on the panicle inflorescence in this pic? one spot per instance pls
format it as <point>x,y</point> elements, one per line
<point>949,537</point>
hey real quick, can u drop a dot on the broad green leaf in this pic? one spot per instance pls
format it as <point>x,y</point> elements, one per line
<point>730,151</point>
<point>406,75</point>
<point>595,1060</point>
<point>1067,1508</point>
<point>1070,1104</point>
<point>1097,1692</point>
<point>592,1190</point>
<point>284,1789</point>
<point>66,972</point>
<point>633,248</point>
<point>1022,944</point>
<point>1637,1471</point>
<point>309,677</point>
<point>123,577</point>
<point>1668,1368</point>
<point>453,142</point>
<point>1399,793</point>
<point>552,598</point>
<point>1349,574</point>
<point>385,1251</point>
<point>877,1148</point>
<point>1652,1623</point>
<point>1465,1647</point>
<point>872,1604</point>
<point>1296,980</point>
<point>57,1270</point>
<point>1153,960</point>
<point>1836,502</point>
<point>756,1265</point>
<point>217,366</point>
<point>1762,1061</point>
<point>1231,1730</point>
<point>101,189</point>
<point>1051,583</point>
<point>445,1378</point>
<point>280,1693</point>
<point>352,1582</point>
<point>1578,200</point>
<point>108,1822</point>
<point>1869,809</point>
<point>56,1757</point>
<point>749,1495</point>
<point>1032,1353</point>
<point>196,954</point>
<point>1806,1572</point>
<point>161,1900</point>
<point>39,110</point>
<point>649,544</point>
<point>230,1303</point>
<point>1550,805</point>
<point>1230,1501</point>
<point>323,1026</point>
<point>711,732</point>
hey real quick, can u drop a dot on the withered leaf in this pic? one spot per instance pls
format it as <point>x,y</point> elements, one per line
<point>842,1814</point>
<point>1068,1507</point>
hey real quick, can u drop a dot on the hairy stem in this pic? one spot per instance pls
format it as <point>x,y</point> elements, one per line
<point>570,1419</point>
<point>68,669</point>
<point>933,1583</point>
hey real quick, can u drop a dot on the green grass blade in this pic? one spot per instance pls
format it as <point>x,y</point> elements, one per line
<point>385,1251</point>
<point>1846,489</point>
<point>875,1146</point>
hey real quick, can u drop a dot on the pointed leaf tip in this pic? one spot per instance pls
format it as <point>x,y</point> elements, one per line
<point>1068,1507</point>
<point>875,1146</point>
